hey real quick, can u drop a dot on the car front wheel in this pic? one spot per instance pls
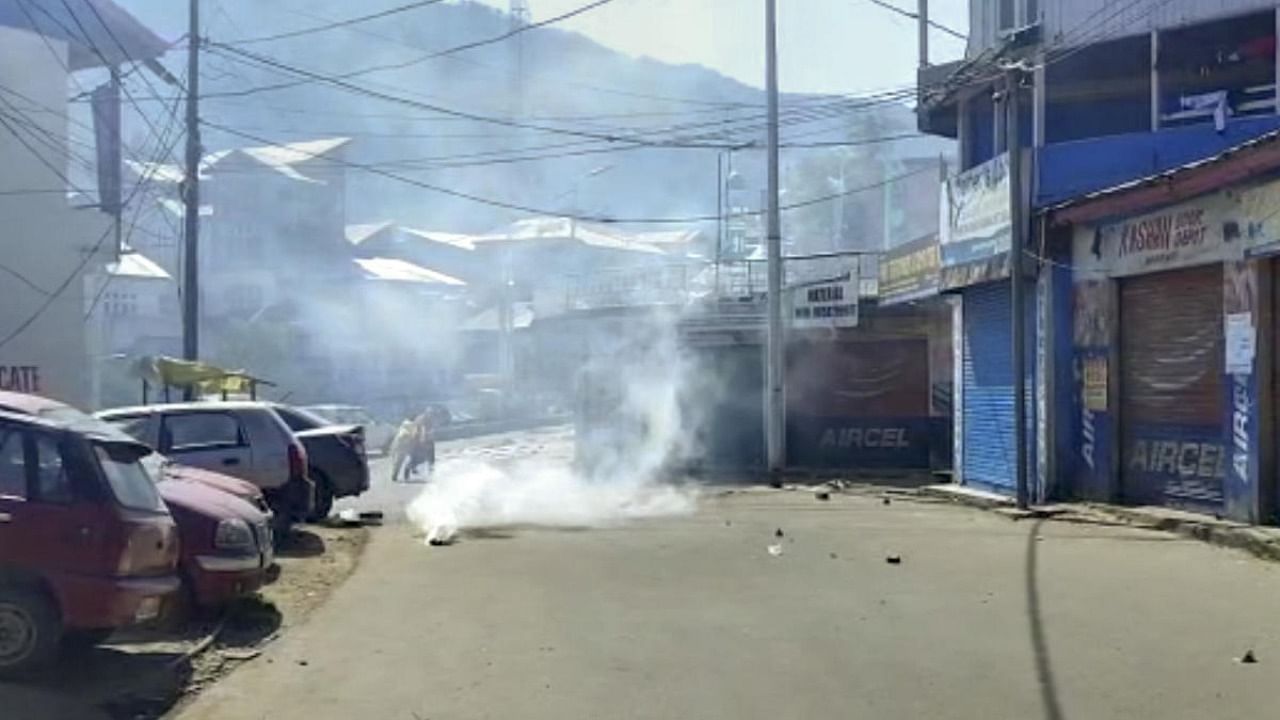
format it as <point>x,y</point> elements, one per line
<point>30,630</point>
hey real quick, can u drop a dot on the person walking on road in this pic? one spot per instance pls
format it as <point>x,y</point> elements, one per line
<point>424,445</point>
<point>402,448</point>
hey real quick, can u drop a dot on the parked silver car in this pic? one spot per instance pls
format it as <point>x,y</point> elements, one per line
<point>242,439</point>
<point>377,434</point>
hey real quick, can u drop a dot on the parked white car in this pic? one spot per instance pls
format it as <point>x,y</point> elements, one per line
<point>377,434</point>
<point>242,439</point>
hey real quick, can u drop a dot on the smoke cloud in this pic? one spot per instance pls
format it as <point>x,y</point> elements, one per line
<point>633,438</point>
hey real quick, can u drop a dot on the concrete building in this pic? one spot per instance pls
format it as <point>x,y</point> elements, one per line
<point>132,311</point>
<point>47,247</point>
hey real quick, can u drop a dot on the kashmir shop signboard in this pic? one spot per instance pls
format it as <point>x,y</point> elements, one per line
<point>911,271</point>
<point>1198,232</point>
<point>976,227</point>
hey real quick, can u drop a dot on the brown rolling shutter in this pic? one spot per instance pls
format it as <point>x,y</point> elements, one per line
<point>1171,391</point>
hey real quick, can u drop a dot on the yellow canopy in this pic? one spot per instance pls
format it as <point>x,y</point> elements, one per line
<point>207,378</point>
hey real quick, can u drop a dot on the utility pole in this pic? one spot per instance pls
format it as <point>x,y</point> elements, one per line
<point>191,198</point>
<point>117,203</point>
<point>922,29</point>
<point>775,419</point>
<point>1017,219</point>
<point>518,12</point>
<point>720,224</point>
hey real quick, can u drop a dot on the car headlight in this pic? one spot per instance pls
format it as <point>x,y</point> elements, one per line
<point>233,535</point>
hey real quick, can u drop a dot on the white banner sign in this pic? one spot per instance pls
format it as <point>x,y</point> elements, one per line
<point>831,304</point>
<point>975,223</point>
<point>1201,231</point>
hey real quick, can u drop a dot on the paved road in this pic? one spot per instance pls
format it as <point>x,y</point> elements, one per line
<point>553,444</point>
<point>692,618</point>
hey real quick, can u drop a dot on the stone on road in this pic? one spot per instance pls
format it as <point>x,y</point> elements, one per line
<point>691,618</point>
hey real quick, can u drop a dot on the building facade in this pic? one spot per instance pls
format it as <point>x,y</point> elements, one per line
<point>1147,133</point>
<point>48,247</point>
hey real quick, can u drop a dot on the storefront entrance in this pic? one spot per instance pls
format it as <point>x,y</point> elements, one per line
<point>1171,390</point>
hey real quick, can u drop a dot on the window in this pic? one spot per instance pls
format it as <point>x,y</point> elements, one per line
<point>298,420</point>
<point>130,483</point>
<point>201,430</point>
<point>53,484</point>
<point>13,465</point>
<point>135,426</point>
<point>1007,19</point>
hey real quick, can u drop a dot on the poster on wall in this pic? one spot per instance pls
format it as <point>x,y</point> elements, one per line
<point>1201,231</point>
<point>1241,343</point>
<point>1095,384</point>
<point>910,271</point>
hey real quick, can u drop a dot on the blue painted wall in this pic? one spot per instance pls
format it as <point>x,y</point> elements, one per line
<point>1060,367</point>
<point>1068,170</point>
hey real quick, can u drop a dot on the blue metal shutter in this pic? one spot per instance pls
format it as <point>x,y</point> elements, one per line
<point>987,397</point>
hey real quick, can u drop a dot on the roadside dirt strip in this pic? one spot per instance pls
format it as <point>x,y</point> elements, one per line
<point>143,675</point>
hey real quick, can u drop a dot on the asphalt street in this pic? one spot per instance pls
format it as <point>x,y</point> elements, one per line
<point>694,617</point>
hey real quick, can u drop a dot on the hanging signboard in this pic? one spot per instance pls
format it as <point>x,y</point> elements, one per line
<point>910,271</point>
<point>976,225</point>
<point>1203,230</point>
<point>825,305</point>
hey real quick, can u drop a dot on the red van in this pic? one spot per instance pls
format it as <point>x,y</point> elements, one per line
<point>224,524</point>
<point>86,542</point>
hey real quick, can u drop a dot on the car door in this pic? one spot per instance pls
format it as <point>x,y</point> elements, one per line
<point>17,541</point>
<point>48,523</point>
<point>209,439</point>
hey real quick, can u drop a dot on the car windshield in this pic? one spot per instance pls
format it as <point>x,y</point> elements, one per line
<point>131,482</point>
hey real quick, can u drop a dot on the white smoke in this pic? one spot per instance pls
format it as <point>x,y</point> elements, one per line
<point>631,451</point>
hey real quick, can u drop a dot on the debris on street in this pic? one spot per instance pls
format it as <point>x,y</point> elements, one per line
<point>894,559</point>
<point>1248,658</point>
<point>441,535</point>
<point>778,533</point>
<point>775,550</point>
<point>822,495</point>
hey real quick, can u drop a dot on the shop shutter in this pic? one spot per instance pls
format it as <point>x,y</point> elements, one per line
<point>1171,359</point>
<point>988,451</point>
<point>858,404</point>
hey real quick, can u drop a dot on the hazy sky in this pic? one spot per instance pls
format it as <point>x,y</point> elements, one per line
<point>823,45</point>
